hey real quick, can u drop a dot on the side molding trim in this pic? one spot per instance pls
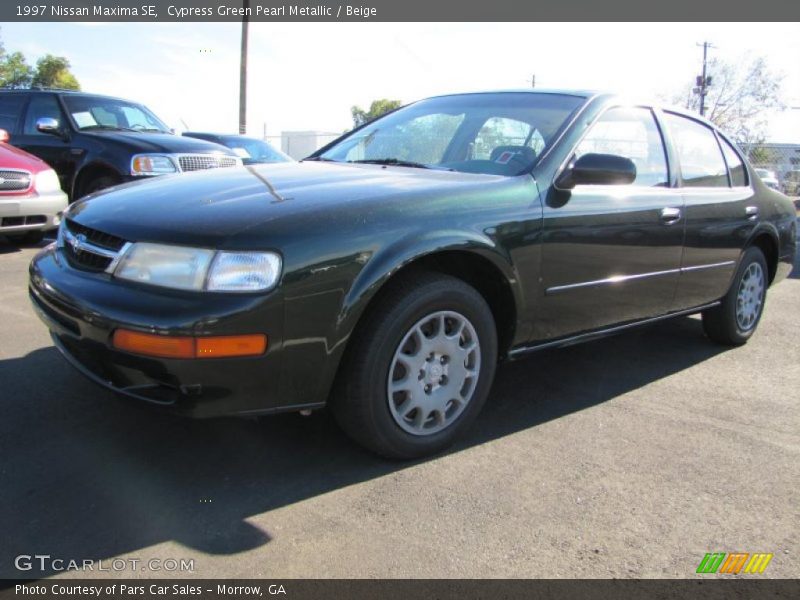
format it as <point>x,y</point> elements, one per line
<point>557,289</point>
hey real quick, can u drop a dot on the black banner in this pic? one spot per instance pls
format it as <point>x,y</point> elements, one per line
<point>396,10</point>
<point>392,589</point>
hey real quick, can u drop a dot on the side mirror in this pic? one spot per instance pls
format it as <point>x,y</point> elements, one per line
<point>48,125</point>
<point>4,137</point>
<point>597,169</point>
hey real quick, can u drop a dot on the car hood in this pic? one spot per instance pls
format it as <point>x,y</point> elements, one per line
<point>208,208</point>
<point>159,142</point>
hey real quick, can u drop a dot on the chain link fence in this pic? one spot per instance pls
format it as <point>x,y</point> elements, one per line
<point>778,165</point>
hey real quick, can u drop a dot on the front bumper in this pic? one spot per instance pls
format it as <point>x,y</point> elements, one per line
<point>33,212</point>
<point>82,310</point>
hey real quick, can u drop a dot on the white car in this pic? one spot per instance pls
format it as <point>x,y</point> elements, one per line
<point>31,199</point>
<point>769,178</point>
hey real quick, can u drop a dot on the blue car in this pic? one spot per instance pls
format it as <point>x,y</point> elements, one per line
<point>251,150</point>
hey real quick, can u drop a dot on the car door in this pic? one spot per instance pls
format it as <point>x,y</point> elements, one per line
<point>54,149</point>
<point>720,207</point>
<point>611,253</point>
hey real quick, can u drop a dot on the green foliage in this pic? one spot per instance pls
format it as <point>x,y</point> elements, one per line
<point>15,72</point>
<point>376,109</point>
<point>50,71</point>
<point>53,72</point>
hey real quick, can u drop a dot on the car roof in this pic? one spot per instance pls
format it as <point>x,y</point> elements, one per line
<point>61,91</point>
<point>553,91</point>
<point>590,94</point>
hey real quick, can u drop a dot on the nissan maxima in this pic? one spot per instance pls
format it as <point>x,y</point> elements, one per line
<point>387,274</point>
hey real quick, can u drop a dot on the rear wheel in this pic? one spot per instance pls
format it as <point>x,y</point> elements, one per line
<point>419,369</point>
<point>734,321</point>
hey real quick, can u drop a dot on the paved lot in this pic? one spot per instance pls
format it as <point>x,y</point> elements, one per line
<point>630,456</point>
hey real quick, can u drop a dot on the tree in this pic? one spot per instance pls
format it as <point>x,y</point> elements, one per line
<point>376,109</point>
<point>15,72</point>
<point>53,72</point>
<point>740,96</point>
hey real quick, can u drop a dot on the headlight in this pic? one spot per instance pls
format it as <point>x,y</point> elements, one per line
<point>197,269</point>
<point>47,182</point>
<point>244,272</point>
<point>168,266</point>
<point>152,164</point>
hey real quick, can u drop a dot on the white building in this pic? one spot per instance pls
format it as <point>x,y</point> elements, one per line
<point>299,144</point>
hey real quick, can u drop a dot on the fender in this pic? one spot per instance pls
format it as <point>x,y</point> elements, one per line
<point>91,162</point>
<point>761,228</point>
<point>387,261</point>
<point>410,248</point>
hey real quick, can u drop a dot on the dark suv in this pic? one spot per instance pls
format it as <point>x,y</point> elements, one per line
<point>94,142</point>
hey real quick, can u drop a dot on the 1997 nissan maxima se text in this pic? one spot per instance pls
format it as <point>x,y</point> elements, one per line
<point>386,274</point>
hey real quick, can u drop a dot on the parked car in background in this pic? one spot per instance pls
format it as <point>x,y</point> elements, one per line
<point>791,183</point>
<point>251,150</point>
<point>769,178</point>
<point>387,273</point>
<point>94,142</point>
<point>31,199</point>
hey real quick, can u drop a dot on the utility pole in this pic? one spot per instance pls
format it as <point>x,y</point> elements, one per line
<point>704,80</point>
<point>243,71</point>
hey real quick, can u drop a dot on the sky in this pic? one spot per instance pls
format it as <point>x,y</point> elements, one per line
<point>306,76</point>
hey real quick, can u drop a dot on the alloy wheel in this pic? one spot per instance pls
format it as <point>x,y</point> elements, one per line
<point>434,372</point>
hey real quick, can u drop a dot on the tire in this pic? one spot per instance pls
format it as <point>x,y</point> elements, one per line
<point>735,320</point>
<point>99,183</point>
<point>389,342</point>
<point>28,238</point>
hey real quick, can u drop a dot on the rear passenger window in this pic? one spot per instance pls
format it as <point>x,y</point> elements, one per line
<point>632,133</point>
<point>699,155</point>
<point>735,165</point>
<point>10,109</point>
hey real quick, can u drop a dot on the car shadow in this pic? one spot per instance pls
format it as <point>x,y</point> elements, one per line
<point>87,475</point>
<point>8,246</point>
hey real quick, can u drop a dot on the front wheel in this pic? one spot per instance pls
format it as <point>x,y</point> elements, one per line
<point>419,368</point>
<point>734,321</point>
<point>99,183</point>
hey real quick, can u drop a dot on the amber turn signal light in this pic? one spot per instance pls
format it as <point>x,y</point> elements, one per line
<point>165,346</point>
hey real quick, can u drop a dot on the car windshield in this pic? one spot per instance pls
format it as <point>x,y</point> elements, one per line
<point>499,134</point>
<point>253,151</point>
<point>97,112</point>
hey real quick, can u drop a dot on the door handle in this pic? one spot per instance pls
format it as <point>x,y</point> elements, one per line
<point>670,215</point>
<point>751,212</point>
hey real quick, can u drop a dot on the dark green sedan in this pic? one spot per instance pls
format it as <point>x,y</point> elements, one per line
<point>387,274</point>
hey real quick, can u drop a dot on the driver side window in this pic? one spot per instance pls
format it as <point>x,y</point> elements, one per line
<point>507,134</point>
<point>41,106</point>
<point>631,133</point>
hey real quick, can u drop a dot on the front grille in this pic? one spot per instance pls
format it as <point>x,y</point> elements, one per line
<point>81,256</point>
<point>14,181</point>
<point>198,162</point>
<point>106,240</point>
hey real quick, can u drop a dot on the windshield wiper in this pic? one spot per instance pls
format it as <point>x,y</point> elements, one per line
<point>392,161</point>
<point>319,158</point>
<point>107,128</point>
